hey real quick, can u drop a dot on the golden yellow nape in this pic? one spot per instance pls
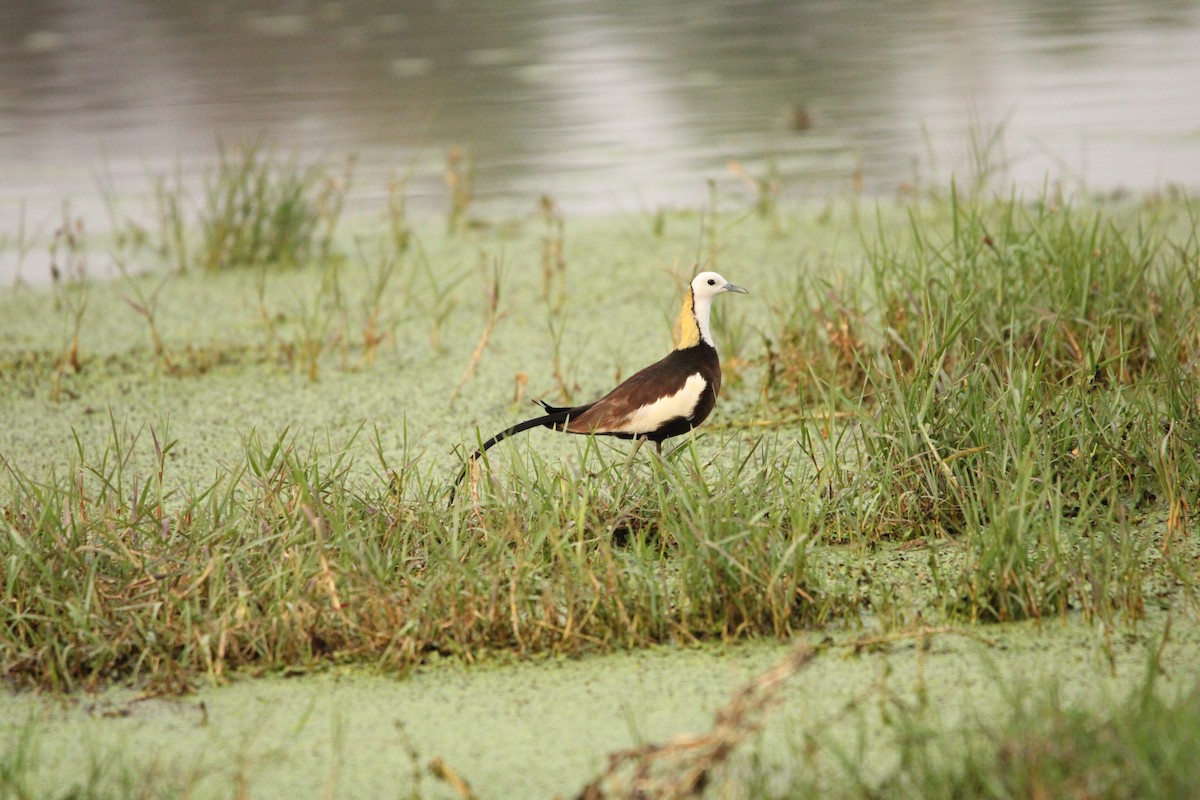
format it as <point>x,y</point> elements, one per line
<point>686,332</point>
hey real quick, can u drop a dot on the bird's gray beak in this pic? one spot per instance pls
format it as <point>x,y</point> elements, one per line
<point>733,287</point>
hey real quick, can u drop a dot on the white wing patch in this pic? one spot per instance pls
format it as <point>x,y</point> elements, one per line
<point>681,404</point>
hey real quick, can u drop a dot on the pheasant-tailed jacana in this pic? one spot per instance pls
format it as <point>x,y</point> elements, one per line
<point>666,399</point>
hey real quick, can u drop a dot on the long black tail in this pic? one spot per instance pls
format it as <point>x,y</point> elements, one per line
<point>557,419</point>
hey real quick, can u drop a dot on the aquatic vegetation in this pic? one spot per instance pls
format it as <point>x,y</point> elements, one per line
<point>1011,384</point>
<point>254,209</point>
<point>459,177</point>
<point>984,414</point>
<point>1040,744</point>
<point>957,411</point>
<point>284,559</point>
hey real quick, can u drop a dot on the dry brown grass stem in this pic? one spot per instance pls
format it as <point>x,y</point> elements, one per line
<point>937,457</point>
<point>446,774</point>
<point>683,766</point>
<point>459,176</point>
<point>494,315</point>
<point>160,349</point>
<point>476,354</point>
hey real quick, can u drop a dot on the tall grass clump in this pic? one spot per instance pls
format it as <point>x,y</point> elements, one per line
<point>1037,744</point>
<point>1023,383</point>
<point>716,547</point>
<point>254,209</point>
<point>286,558</point>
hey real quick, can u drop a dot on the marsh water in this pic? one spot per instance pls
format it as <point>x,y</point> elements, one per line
<point>543,729</point>
<point>605,106</point>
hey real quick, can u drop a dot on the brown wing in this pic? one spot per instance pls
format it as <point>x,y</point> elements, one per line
<point>665,378</point>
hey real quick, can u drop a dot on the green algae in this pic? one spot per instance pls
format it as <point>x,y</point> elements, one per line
<point>544,728</point>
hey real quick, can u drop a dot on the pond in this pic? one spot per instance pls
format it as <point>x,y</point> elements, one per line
<point>605,106</point>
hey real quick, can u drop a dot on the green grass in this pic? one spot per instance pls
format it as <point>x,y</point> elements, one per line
<point>254,209</point>
<point>284,558</point>
<point>1024,384</point>
<point>1039,744</point>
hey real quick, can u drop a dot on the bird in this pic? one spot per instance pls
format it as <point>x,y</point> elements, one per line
<point>668,398</point>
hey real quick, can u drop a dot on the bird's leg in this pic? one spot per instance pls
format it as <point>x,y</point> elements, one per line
<point>637,446</point>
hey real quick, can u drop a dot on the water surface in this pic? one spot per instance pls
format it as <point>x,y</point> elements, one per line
<point>606,106</point>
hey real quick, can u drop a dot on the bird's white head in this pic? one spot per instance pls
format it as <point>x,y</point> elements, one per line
<point>692,327</point>
<point>710,284</point>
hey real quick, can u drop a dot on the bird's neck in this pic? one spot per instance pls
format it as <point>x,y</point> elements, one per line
<point>692,326</point>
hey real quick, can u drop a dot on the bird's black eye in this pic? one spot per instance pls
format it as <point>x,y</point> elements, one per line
<point>712,282</point>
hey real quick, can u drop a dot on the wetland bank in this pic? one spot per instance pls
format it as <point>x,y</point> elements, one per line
<point>954,452</point>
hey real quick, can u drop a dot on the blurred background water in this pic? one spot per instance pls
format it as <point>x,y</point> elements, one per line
<point>604,105</point>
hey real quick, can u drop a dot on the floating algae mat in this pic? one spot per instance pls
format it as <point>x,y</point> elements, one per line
<point>543,729</point>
